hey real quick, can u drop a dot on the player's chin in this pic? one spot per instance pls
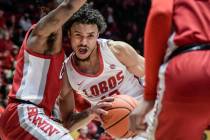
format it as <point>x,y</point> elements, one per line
<point>82,57</point>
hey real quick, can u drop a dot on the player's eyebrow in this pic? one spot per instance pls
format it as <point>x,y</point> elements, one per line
<point>87,33</point>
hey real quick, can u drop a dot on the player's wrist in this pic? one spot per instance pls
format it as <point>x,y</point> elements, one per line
<point>91,112</point>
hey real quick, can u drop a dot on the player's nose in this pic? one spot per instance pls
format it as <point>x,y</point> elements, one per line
<point>83,41</point>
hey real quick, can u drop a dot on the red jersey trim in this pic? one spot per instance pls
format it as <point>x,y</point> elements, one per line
<point>91,75</point>
<point>45,56</point>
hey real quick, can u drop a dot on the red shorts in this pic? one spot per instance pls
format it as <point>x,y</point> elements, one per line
<point>28,122</point>
<point>184,97</point>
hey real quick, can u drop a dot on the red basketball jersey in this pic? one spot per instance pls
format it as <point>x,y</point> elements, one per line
<point>36,77</point>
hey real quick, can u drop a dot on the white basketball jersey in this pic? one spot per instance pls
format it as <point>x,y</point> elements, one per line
<point>112,77</point>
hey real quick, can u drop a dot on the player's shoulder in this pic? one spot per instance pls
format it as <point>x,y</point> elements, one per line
<point>118,47</point>
<point>121,45</point>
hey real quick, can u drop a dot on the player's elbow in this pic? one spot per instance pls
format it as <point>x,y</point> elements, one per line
<point>68,120</point>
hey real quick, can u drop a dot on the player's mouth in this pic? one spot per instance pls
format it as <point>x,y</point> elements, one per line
<point>83,50</point>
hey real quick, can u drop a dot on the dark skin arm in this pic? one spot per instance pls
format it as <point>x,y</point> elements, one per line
<point>49,28</point>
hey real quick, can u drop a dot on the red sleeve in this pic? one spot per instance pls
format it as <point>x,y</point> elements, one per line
<point>157,32</point>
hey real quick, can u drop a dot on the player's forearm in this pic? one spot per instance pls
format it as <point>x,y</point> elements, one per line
<point>156,43</point>
<point>78,120</point>
<point>57,17</point>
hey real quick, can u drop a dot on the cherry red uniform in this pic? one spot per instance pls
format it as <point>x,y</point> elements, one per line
<point>184,81</point>
<point>36,85</point>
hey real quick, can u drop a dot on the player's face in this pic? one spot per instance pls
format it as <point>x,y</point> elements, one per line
<point>83,38</point>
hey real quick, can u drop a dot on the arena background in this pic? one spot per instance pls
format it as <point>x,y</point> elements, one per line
<point>126,21</point>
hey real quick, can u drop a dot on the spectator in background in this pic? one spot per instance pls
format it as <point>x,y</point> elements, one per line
<point>25,22</point>
<point>2,19</point>
<point>10,25</point>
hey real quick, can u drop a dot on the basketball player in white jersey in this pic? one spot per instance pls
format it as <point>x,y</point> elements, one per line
<point>98,68</point>
<point>36,82</point>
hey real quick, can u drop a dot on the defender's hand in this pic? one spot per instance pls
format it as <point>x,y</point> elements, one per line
<point>137,122</point>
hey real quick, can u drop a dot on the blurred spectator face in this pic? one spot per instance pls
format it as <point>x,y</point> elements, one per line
<point>110,18</point>
<point>134,28</point>
<point>13,18</point>
<point>83,39</point>
<point>25,22</point>
<point>129,36</point>
<point>1,33</point>
<point>1,13</point>
<point>2,20</point>
<point>6,36</point>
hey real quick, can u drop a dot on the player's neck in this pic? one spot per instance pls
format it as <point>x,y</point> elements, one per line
<point>91,65</point>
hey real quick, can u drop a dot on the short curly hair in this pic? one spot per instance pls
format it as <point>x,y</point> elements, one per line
<point>87,15</point>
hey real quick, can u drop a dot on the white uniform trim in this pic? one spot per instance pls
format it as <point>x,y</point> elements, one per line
<point>34,78</point>
<point>161,88</point>
<point>35,122</point>
<point>158,104</point>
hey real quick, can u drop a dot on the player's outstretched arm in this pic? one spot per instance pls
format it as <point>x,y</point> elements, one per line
<point>51,24</point>
<point>57,17</point>
<point>128,56</point>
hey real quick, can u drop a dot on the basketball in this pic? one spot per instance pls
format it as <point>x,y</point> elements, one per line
<point>116,122</point>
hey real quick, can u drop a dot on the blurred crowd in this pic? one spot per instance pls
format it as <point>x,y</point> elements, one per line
<point>125,18</point>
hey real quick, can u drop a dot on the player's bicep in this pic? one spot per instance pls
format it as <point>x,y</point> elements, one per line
<point>137,68</point>
<point>129,57</point>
